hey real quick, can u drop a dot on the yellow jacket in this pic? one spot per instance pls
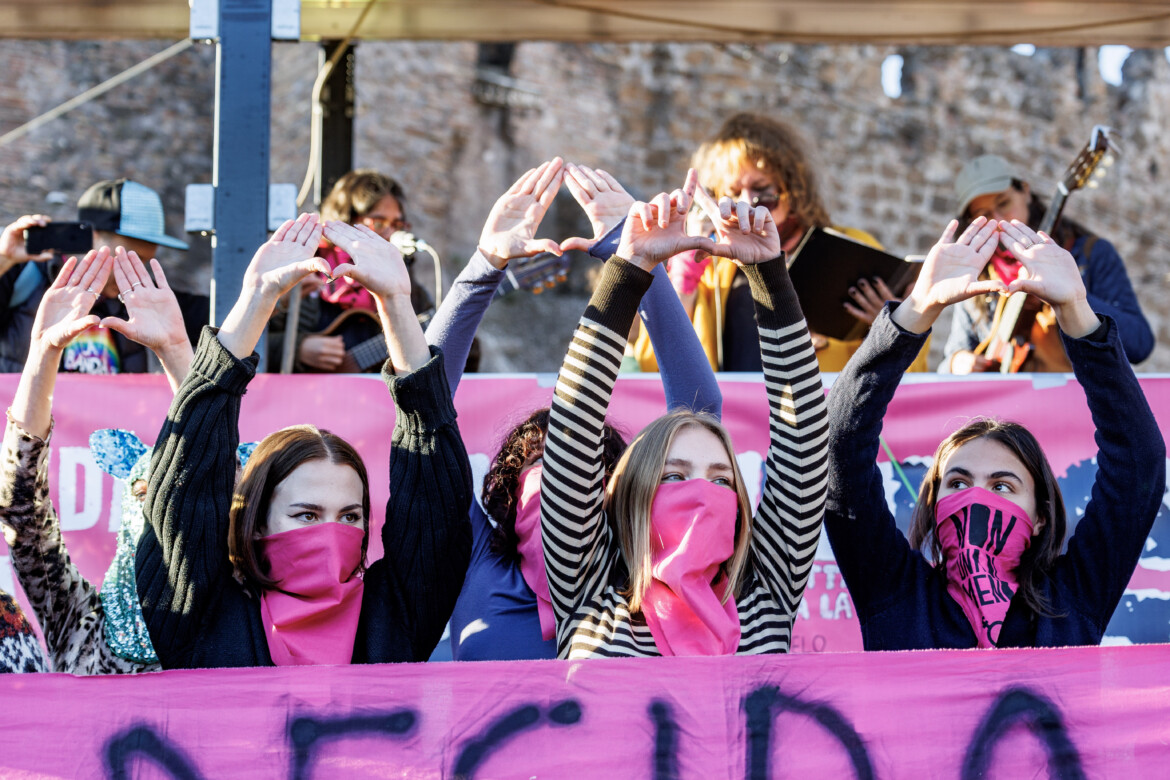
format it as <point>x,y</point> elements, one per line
<point>711,298</point>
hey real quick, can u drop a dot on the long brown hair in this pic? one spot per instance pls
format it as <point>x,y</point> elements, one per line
<point>630,494</point>
<point>1050,513</point>
<point>749,140</point>
<point>502,481</point>
<point>277,456</point>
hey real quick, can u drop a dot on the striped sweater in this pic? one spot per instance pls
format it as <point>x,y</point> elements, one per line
<point>586,573</point>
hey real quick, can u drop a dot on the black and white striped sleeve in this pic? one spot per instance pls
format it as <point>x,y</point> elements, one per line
<point>576,537</point>
<point>788,520</point>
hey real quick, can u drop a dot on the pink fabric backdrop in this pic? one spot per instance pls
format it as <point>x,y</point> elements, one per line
<point>1071,713</point>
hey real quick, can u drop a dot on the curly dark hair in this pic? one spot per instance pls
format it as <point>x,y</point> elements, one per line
<point>502,480</point>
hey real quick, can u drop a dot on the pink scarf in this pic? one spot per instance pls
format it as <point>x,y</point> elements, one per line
<point>1006,266</point>
<point>685,270</point>
<point>530,548</point>
<point>313,617</point>
<point>343,292</point>
<point>692,532</point>
<point>983,536</point>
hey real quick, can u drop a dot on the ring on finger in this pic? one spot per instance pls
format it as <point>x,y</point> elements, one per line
<point>124,295</point>
<point>136,284</point>
<point>92,291</point>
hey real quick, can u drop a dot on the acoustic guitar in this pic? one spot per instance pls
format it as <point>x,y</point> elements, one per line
<point>1010,342</point>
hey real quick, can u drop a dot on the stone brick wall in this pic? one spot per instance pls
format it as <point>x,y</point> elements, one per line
<point>886,164</point>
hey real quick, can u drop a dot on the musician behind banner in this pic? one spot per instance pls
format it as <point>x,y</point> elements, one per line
<point>990,187</point>
<point>337,323</point>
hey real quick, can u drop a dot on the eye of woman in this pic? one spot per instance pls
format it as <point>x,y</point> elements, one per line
<point>352,518</point>
<point>672,476</point>
<point>306,516</point>
<point>957,483</point>
<point>722,481</point>
<point>1003,487</point>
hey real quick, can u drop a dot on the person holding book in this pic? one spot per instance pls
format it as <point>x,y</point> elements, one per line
<point>763,162</point>
<point>990,187</point>
<point>986,563</point>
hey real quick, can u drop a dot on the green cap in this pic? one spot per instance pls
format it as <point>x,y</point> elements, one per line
<point>983,175</point>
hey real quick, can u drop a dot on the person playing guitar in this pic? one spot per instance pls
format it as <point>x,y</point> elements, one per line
<point>336,316</point>
<point>990,187</point>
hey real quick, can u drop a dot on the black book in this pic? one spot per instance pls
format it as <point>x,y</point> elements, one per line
<point>826,264</point>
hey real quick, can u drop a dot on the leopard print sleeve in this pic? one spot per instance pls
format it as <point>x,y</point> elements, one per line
<point>65,604</point>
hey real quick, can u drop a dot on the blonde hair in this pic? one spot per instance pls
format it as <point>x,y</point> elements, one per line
<point>630,495</point>
<point>749,140</point>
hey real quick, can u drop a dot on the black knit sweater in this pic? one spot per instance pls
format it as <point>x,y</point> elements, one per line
<point>200,616</point>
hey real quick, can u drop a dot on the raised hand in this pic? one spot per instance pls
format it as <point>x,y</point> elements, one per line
<point>64,310</point>
<point>285,258</point>
<point>154,319</point>
<point>869,298</point>
<point>12,249</point>
<point>745,235</point>
<point>510,229</point>
<point>950,274</point>
<point>374,263</point>
<point>602,198</point>
<point>1051,274</point>
<point>657,230</point>
<point>279,263</point>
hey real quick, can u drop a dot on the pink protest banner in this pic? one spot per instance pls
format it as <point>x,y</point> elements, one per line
<point>924,411</point>
<point>1069,713</point>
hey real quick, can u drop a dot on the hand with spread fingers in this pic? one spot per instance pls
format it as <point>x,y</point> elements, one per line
<point>602,198</point>
<point>154,319</point>
<point>950,274</point>
<point>869,297</point>
<point>374,262</point>
<point>744,234</point>
<point>510,229</point>
<point>1050,273</point>
<point>64,311</point>
<point>280,262</point>
<point>285,258</point>
<point>657,230</point>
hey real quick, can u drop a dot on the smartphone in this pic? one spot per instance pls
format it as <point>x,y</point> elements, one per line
<point>68,238</point>
<point>607,245</point>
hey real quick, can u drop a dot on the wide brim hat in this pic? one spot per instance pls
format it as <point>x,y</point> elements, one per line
<point>127,208</point>
<point>985,174</point>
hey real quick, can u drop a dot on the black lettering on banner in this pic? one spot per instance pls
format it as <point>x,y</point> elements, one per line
<point>1020,706</point>
<point>665,741</point>
<point>525,718</point>
<point>999,534</point>
<point>761,707</point>
<point>306,733</point>
<point>143,741</point>
<point>978,516</point>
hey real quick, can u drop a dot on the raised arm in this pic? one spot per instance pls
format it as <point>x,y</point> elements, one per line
<point>508,233</point>
<point>182,559</point>
<point>59,595</point>
<point>787,524</point>
<point>1112,295</point>
<point>687,378</point>
<point>872,553</point>
<point>426,536</point>
<point>1131,454</point>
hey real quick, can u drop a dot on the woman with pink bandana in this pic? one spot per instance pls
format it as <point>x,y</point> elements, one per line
<point>983,566</point>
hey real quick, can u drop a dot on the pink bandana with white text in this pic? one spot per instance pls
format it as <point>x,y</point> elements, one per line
<point>983,536</point>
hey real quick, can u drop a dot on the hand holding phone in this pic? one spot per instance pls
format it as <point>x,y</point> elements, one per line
<point>12,248</point>
<point>68,238</point>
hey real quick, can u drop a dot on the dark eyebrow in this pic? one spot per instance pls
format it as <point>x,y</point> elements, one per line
<point>317,507</point>
<point>677,462</point>
<point>962,472</point>
<point>1008,474</point>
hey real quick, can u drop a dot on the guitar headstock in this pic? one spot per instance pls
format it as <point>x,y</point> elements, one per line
<point>1093,161</point>
<point>537,273</point>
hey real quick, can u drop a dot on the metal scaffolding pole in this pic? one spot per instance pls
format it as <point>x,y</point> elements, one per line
<point>241,147</point>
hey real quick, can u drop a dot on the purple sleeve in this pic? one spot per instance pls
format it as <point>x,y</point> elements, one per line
<point>687,377</point>
<point>454,324</point>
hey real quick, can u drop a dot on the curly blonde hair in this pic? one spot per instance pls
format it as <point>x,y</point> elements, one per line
<point>773,147</point>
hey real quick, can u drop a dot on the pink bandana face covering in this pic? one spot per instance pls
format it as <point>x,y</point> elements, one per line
<point>983,536</point>
<point>692,532</point>
<point>313,618</point>
<point>530,548</point>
